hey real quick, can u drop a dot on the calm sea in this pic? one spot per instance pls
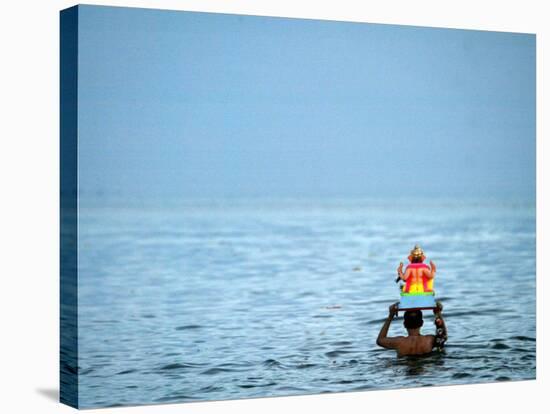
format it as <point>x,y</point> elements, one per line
<point>232,299</point>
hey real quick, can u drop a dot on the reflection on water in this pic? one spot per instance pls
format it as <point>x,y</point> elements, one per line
<point>221,301</point>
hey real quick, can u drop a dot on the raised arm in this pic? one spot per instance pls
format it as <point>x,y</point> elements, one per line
<point>440,327</point>
<point>431,272</point>
<point>405,275</point>
<point>383,340</point>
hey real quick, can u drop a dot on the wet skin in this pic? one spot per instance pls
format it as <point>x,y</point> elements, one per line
<point>414,343</point>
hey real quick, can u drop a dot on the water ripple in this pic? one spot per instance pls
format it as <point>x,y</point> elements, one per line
<point>217,302</point>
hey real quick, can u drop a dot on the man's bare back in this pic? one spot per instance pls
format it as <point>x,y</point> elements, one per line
<point>414,343</point>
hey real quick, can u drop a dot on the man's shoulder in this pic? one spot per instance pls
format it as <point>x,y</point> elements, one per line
<point>397,338</point>
<point>430,339</point>
<point>422,339</point>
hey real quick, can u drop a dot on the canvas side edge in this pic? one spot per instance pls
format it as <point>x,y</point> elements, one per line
<point>68,156</point>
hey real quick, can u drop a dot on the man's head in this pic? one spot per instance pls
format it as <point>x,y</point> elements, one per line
<point>413,319</point>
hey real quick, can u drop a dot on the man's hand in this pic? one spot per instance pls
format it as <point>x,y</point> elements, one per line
<point>438,308</point>
<point>393,310</point>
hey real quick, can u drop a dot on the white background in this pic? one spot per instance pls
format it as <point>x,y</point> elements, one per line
<point>29,175</point>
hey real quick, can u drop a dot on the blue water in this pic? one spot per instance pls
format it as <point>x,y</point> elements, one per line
<point>205,300</point>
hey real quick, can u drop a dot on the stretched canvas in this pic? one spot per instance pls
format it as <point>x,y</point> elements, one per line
<point>238,192</point>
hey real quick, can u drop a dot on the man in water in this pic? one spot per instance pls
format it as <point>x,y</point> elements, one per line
<point>414,343</point>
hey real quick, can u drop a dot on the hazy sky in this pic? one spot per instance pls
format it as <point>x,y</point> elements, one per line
<point>197,104</point>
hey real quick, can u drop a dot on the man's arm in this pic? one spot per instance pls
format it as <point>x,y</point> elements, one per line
<point>383,340</point>
<point>440,328</point>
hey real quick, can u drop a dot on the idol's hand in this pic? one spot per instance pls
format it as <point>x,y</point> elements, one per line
<point>432,265</point>
<point>400,269</point>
